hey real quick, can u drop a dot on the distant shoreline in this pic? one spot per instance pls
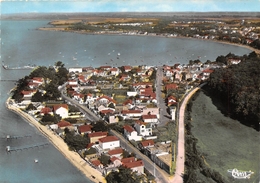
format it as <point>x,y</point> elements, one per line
<point>183,37</point>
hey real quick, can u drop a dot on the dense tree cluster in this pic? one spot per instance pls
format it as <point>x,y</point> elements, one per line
<point>238,87</point>
<point>53,77</point>
<point>75,142</point>
<point>125,175</point>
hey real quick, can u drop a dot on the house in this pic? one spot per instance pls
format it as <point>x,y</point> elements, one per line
<point>171,86</point>
<point>135,166</point>
<point>116,161</point>
<point>84,129</point>
<point>131,134</point>
<point>38,80</point>
<point>33,85</point>
<point>75,69</point>
<point>146,143</point>
<point>143,128</point>
<point>96,163</point>
<point>114,71</point>
<point>149,118</point>
<point>131,113</point>
<point>207,72</point>
<point>64,124</point>
<point>95,136</point>
<point>127,68</point>
<point>46,110</point>
<point>171,100</point>
<point>72,82</point>
<point>115,152</point>
<point>105,100</point>
<point>109,142</point>
<point>113,119</point>
<point>28,93</point>
<point>61,109</point>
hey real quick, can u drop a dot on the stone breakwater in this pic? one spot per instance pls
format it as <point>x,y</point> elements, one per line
<point>91,173</point>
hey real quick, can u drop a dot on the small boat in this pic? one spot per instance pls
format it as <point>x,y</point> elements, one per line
<point>35,160</point>
<point>118,54</point>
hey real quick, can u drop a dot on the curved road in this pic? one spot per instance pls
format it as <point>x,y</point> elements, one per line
<point>178,177</point>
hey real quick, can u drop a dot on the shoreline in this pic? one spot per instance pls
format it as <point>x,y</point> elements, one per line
<point>61,146</point>
<point>61,29</point>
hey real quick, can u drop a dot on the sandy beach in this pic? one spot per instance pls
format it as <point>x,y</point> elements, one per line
<point>91,173</point>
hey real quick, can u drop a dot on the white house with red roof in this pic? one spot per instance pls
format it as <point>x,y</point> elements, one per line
<point>131,134</point>
<point>33,85</point>
<point>149,118</point>
<point>171,100</point>
<point>127,68</point>
<point>38,80</point>
<point>147,143</point>
<point>105,100</point>
<point>135,166</point>
<point>115,152</point>
<point>28,93</point>
<point>46,110</point>
<point>143,128</point>
<point>127,114</point>
<point>64,124</point>
<point>95,136</point>
<point>61,109</point>
<point>109,142</point>
<point>114,71</point>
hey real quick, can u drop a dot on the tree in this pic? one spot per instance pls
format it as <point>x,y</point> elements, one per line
<point>99,126</point>
<point>104,159</point>
<point>37,97</point>
<point>125,175</point>
<point>75,142</point>
<point>30,107</point>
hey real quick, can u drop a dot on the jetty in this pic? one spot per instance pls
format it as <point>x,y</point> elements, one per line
<point>15,137</point>
<point>10,149</point>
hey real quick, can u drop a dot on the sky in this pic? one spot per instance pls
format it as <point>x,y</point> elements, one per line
<point>52,6</point>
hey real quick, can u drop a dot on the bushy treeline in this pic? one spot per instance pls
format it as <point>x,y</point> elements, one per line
<point>195,167</point>
<point>238,87</point>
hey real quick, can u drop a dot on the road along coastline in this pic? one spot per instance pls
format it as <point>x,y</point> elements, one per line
<point>91,173</point>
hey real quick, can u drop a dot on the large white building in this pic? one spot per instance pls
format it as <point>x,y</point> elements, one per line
<point>109,142</point>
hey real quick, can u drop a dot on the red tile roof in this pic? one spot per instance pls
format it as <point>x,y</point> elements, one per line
<point>114,159</point>
<point>128,128</point>
<point>57,106</point>
<point>107,111</point>
<point>46,110</point>
<point>85,128</point>
<point>131,111</point>
<point>171,86</point>
<point>128,160</point>
<point>97,134</point>
<point>149,116</point>
<point>134,164</point>
<point>115,151</point>
<point>96,162</point>
<point>108,139</point>
<point>63,123</point>
<point>108,98</point>
<point>147,143</point>
<point>90,145</point>
<point>140,122</point>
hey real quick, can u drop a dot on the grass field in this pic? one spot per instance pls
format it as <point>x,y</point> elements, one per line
<point>224,142</point>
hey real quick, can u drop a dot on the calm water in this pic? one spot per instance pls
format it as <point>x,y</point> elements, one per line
<point>22,44</point>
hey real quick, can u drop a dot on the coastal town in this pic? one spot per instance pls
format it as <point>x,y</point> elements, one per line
<point>242,30</point>
<point>116,118</point>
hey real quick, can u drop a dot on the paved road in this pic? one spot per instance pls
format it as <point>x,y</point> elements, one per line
<point>91,115</point>
<point>161,176</point>
<point>178,177</point>
<point>164,116</point>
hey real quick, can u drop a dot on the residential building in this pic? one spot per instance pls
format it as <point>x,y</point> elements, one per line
<point>109,142</point>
